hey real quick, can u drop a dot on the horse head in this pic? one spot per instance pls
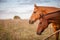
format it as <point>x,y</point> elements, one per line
<point>42,26</point>
<point>36,14</point>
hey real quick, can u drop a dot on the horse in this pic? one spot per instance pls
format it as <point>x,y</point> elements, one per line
<point>43,24</point>
<point>45,20</point>
<point>36,15</point>
<point>50,18</point>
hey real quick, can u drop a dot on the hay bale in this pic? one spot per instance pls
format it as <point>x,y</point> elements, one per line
<point>16,17</point>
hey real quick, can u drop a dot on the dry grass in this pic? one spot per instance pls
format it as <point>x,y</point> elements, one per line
<point>21,30</point>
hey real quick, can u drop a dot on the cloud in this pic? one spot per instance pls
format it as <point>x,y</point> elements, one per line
<point>29,1</point>
<point>3,1</point>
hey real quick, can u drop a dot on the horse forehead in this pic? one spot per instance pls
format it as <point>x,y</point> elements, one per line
<point>35,9</point>
<point>43,20</point>
<point>38,10</point>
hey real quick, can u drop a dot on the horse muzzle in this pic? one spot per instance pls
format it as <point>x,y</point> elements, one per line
<point>31,22</point>
<point>39,33</point>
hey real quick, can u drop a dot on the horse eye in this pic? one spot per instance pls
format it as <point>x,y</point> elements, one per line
<point>40,22</point>
<point>40,14</point>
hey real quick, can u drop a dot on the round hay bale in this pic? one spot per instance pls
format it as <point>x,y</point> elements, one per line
<point>16,17</point>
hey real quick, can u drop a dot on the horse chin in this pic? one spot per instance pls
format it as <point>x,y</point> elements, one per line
<point>39,33</point>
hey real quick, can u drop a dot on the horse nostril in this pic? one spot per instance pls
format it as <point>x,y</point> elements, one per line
<point>31,22</point>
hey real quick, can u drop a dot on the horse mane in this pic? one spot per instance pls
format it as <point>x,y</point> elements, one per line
<point>51,13</point>
<point>57,12</point>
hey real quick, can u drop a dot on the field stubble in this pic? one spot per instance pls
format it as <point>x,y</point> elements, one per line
<point>21,30</point>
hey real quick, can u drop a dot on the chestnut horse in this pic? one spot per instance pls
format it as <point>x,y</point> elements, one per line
<point>45,20</point>
<point>40,10</point>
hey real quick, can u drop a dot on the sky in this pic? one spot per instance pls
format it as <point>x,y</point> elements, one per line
<point>22,8</point>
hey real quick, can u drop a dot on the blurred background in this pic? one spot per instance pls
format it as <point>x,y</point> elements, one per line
<point>22,8</point>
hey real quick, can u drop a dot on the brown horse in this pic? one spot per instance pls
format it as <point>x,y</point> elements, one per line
<point>46,19</point>
<point>40,10</point>
<point>43,24</point>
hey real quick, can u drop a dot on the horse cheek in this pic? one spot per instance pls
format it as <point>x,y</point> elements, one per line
<point>39,28</point>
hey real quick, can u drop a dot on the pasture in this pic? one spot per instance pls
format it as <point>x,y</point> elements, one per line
<point>18,29</point>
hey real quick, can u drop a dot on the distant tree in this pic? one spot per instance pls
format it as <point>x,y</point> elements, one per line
<point>16,17</point>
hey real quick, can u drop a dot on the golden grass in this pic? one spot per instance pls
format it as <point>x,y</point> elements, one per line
<point>21,30</point>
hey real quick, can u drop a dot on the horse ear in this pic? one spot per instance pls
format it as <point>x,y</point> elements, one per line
<point>35,5</point>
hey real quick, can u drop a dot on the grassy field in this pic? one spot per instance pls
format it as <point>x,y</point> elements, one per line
<point>21,30</point>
